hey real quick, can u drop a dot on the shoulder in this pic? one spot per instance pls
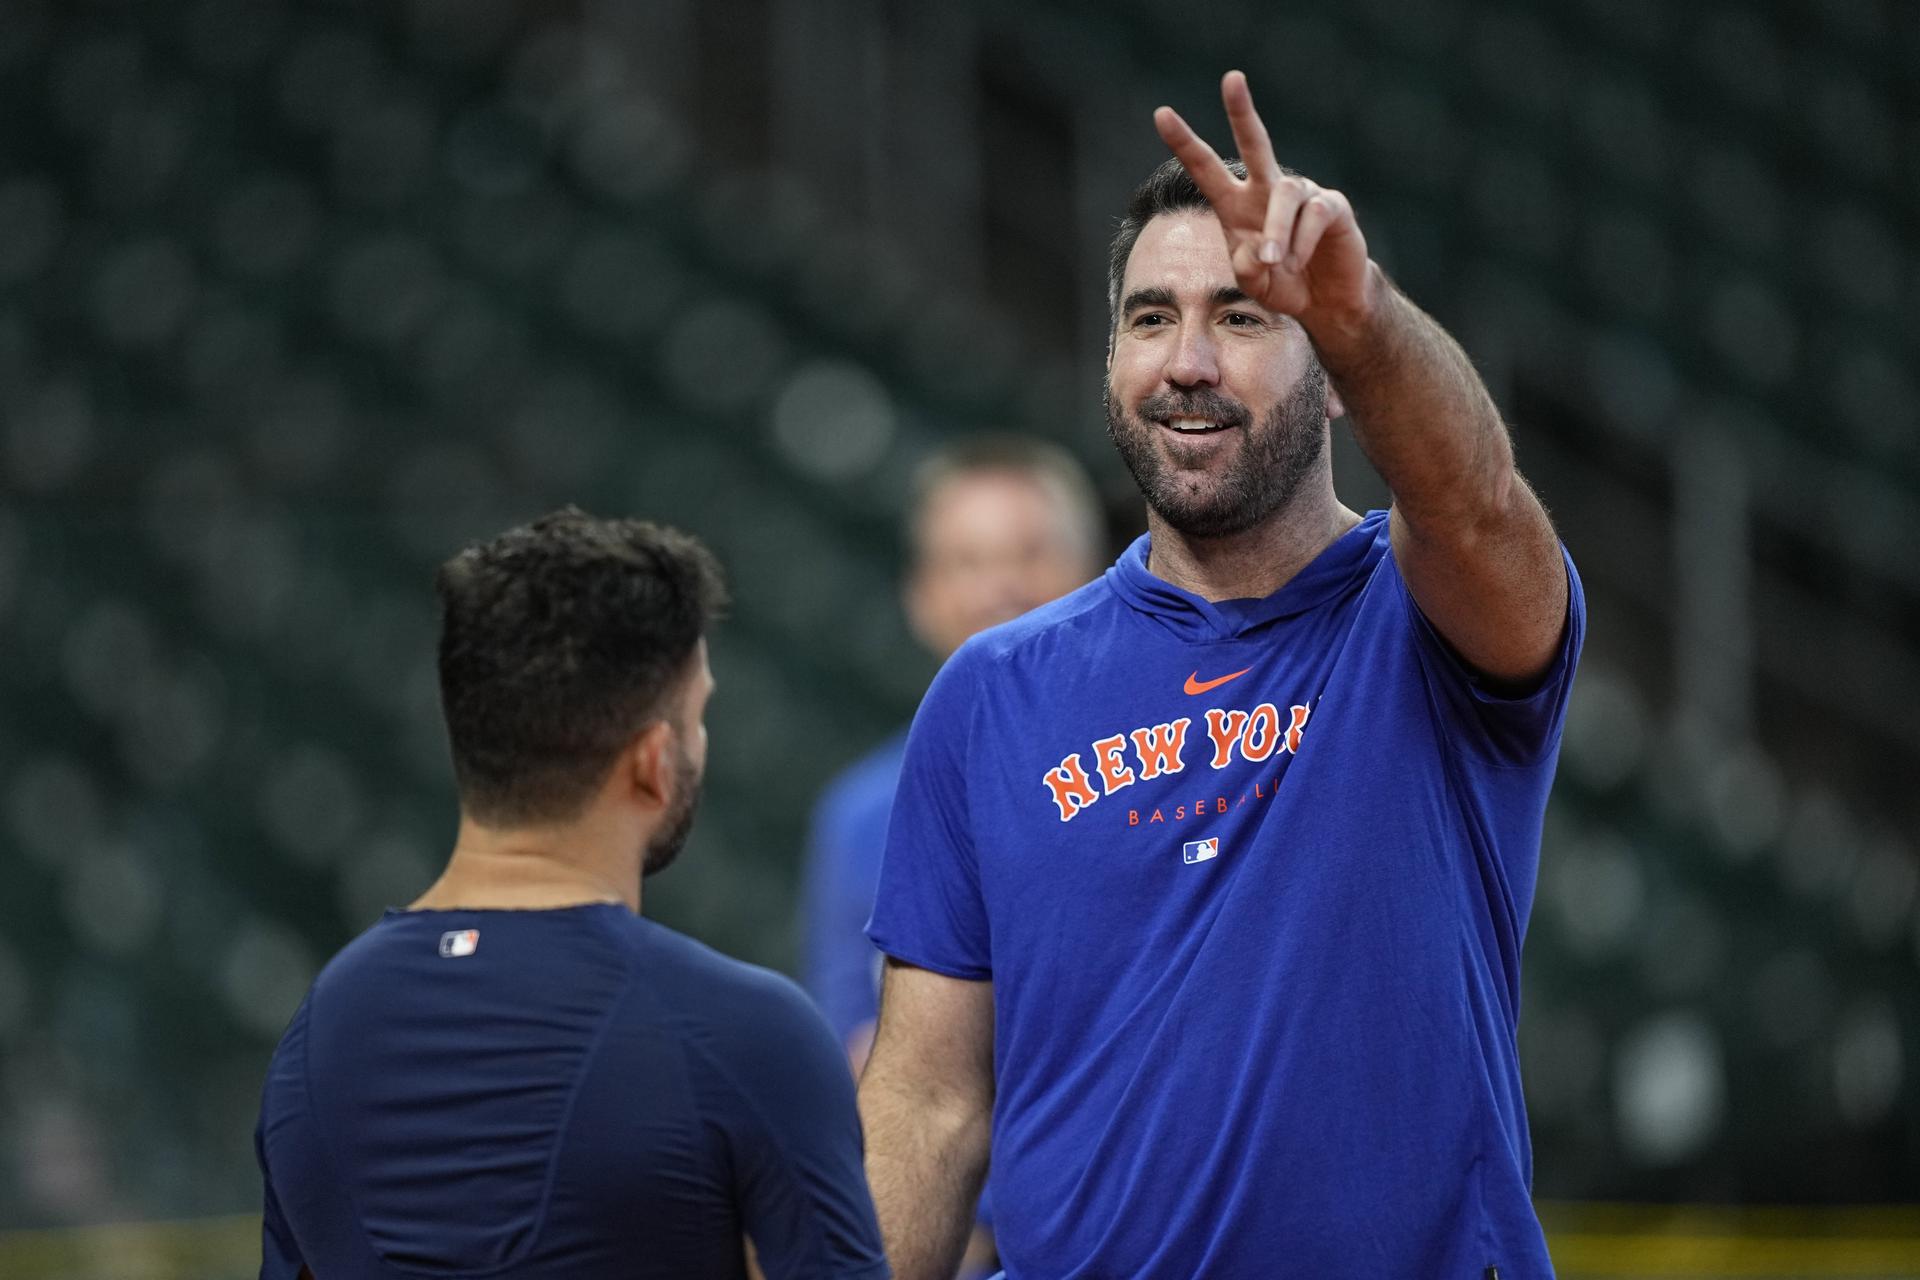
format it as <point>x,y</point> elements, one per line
<point>1038,631</point>
<point>723,1000</point>
<point>361,960</point>
<point>991,659</point>
<point>762,1047</point>
<point>1374,533</point>
<point>1034,641</point>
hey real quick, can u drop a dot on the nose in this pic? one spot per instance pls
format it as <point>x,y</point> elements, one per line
<point>1193,361</point>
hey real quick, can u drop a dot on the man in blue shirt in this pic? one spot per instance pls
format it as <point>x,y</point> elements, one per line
<point>1205,885</point>
<point>518,1074</point>
<point>996,525</point>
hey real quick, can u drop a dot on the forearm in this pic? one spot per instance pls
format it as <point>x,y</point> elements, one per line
<point>1419,412</point>
<point>926,1159</point>
<point>1472,543</point>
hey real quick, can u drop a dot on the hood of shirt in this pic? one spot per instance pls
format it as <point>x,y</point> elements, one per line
<point>1342,567</point>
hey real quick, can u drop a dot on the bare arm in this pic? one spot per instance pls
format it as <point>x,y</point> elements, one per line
<point>926,1100</point>
<point>1474,544</point>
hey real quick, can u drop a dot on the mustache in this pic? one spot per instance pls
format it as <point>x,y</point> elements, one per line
<point>1202,403</point>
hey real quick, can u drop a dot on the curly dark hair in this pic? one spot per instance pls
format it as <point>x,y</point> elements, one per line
<point>559,641</point>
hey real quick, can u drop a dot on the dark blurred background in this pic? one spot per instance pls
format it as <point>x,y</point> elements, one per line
<point>297,297</point>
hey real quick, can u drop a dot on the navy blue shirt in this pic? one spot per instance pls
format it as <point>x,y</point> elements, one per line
<point>572,1094</point>
<point>1250,880</point>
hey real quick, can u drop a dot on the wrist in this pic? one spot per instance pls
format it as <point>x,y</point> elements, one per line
<point>1343,334</point>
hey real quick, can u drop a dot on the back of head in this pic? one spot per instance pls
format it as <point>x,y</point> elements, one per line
<point>560,640</point>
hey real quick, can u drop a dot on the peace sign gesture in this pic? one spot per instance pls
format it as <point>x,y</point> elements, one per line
<point>1295,246</point>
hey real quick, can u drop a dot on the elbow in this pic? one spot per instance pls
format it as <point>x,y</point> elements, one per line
<point>1492,492</point>
<point>948,1111</point>
<point>1484,519</point>
<point>1493,499</point>
<point>1467,489</point>
<point>942,1102</point>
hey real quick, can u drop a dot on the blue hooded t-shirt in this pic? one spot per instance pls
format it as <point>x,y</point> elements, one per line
<point>1250,880</point>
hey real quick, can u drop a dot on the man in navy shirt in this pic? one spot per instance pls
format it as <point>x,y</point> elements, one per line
<point>1205,886</point>
<point>518,1075</point>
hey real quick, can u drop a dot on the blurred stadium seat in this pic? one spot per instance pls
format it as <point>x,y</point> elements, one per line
<point>297,297</point>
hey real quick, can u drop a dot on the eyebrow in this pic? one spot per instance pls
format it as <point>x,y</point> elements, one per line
<point>1152,296</point>
<point>1161,296</point>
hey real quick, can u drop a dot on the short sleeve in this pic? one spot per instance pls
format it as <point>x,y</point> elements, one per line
<point>794,1139</point>
<point>1512,729</point>
<point>929,911</point>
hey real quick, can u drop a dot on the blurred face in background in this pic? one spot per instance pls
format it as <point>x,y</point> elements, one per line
<point>991,544</point>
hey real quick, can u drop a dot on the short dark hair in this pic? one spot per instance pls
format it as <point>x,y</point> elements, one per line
<point>1168,189</point>
<point>1043,460</point>
<point>559,641</point>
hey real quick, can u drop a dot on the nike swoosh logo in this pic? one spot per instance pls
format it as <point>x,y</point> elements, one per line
<point>1195,685</point>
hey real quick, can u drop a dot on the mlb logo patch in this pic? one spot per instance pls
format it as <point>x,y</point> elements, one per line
<point>1200,850</point>
<point>459,942</point>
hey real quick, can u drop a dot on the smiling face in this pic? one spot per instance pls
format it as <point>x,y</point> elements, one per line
<point>1216,404</point>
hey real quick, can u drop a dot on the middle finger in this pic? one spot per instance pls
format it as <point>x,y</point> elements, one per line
<point>1249,131</point>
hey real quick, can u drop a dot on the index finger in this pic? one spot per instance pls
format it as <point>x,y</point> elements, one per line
<point>1249,131</point>
<point>1202,163</point>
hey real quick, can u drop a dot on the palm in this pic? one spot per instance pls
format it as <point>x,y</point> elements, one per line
<point>1295,246</point>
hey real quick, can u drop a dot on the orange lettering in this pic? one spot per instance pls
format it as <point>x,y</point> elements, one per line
<point>1263,732</point>
<point>1180,813</point>
<point>1133,817</point>
<point>1157,817</point>
<point>1224,727</point>
<point>1070,787</point>
<point>1160,748</point>
<point>1114,773</point>
<point>1220,804</point>
<point>1298,723</point>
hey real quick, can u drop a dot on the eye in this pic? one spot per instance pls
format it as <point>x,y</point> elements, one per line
<point>1151,320</point>
<point>1241,319</point>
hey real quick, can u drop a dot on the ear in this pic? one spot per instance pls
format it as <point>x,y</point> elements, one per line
<point>648,765</point>
<point>1336,408</point>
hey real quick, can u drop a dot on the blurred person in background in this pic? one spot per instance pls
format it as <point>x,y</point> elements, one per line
<point>996,525</point>
<point>519,1072</point>
<point>1205,886</point>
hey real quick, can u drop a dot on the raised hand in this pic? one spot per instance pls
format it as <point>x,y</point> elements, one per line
<point>1295,246</point>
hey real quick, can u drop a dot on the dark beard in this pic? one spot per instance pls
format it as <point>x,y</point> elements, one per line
<point>678,823</point>
<point>1274,459</point>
